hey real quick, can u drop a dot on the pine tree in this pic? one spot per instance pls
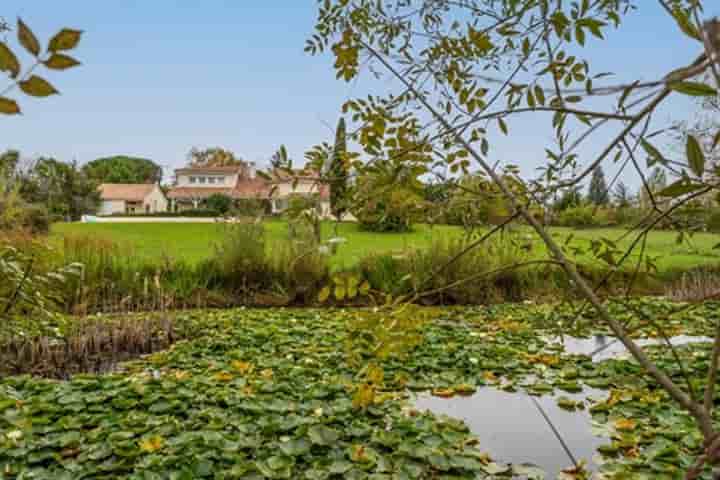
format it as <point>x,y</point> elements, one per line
<point>598,192</point>
<point>622,194</point>
<point>338,173</point>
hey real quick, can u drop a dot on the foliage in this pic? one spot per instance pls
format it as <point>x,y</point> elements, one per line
<point>123,169</point>
<point>598,193</point>
<point>338,173</point>
<point>219,203</point>
<point>389,196</point>
<point>63,188</point>
<point>570,198</point>
<point>713,222</point>
<point>30,295</point>
<point>213,157</point>
<point>579,216</point>
<point>252,207</point>
<point>622,196</point>
<point>52,57</point>
<point>265,393</point>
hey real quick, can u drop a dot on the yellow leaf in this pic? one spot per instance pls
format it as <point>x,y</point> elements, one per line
<point>8,61</point>
<point>364,288</point>
<point>324,294</point>
<point>375,375</point>
<point>9,106</point>
<point>242,367</point>
<point>66,39</point>
<point>37,87</point>
<point>359,454</point>
<point>267,373</point>
<point>364,396</point>
<point>151,444</point>
<point>465,389</point>
<point>625,424</point>
<point>28,39</point>
<point>182,375</point>
<point>490,377</point>
<point>444,392</point>
<point>223,376</point>
<point>59,61</point>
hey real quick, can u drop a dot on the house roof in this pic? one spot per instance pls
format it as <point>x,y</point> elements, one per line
<point>210,169</point>
<point>133,192</point>
<point>197,192</point>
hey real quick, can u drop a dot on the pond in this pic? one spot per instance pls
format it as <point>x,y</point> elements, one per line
<point>512,428</point>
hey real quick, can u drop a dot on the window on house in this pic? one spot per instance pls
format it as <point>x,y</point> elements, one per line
<point>211,180</point>
<point>193,180</point>
<point>221,180</point>
<point>202,180</point>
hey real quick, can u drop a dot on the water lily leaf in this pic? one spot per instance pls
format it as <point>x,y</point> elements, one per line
<point>322,435</point>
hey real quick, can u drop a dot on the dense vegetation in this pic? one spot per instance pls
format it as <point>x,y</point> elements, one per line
<point>275,394</point>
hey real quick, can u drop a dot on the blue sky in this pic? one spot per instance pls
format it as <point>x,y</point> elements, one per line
<point>162,76</point>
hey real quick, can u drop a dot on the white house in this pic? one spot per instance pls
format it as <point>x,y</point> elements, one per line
<point>130,198</point>
<point>196,183</point>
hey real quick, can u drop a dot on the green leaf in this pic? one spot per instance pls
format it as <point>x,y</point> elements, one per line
<point>695,156</point>
<point>322,435</point>
<point>37,87</point>
<point>364,288</point>
<point>654,155</point>
<point>66,39</point>
<point>59,61</point>
<point>680,188</point>
<point>9,106</point>
<point>28,39</point>
<point>503,126</point>
<point>694,89</point>
<point>8,61</point>
<point>716,141</point>
<point>683,20</point>
<point>540,94</point>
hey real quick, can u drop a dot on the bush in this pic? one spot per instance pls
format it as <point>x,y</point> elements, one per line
<point>713,221</point>
<point>219,203</point>
<point>478,276</point>
<point>252,207</point>
<point>35,219</point>
<point>583,216</point>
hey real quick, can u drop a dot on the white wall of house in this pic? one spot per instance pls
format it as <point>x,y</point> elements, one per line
<point>109,207</point>
<point>155,201</point>
<point>209,180</point>
<point>303,188</point>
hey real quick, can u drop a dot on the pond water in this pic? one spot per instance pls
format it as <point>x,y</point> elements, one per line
<point>511,428</point>
<point>602,347</point>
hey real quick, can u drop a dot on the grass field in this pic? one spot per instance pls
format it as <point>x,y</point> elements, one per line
<point>195,241</point>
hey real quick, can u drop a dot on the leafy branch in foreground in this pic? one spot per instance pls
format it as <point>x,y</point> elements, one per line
<point>52,57</point>
<point>443,114</point>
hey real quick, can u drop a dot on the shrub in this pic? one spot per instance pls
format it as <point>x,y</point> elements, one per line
<point>713,221</point>
<point>35,219</point>
<point>577,216</point>
<point>239,259</point>
<point>252,207</point>
<point>219,203</point>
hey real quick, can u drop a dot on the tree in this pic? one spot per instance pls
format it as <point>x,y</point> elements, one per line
<point>213,157</point>
<point>338,173</point>
<point>622,195</point>
<point>598,191</point>
<point>219,203</point>
<point>444,100</point>
<point>123,169</point>
<point>63,188</point>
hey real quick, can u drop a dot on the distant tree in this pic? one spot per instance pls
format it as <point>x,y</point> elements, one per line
<point>63,188</point>
<point>213,157</point>
<point>598,191</point>
<point>338,173</point>
<point>622,195</point>
<point>123,169</point>
<point>219,202</point>
<point>570,198</point>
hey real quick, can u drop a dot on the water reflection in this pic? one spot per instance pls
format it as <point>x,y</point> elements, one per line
<point>602,347</point>
<point>512,430</point>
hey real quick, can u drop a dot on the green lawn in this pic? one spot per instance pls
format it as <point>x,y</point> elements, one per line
<point>194,241</point>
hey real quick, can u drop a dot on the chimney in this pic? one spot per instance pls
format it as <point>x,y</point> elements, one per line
<point>251,170</point>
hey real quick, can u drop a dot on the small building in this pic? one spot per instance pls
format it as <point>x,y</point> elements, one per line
<point>131,198</point>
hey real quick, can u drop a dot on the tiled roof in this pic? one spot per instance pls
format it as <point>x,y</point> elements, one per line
<point>197,192</point>
<point>211,169</point>
<point>133,192</point>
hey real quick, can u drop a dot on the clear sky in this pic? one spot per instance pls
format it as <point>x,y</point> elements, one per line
<point>162,76</point>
